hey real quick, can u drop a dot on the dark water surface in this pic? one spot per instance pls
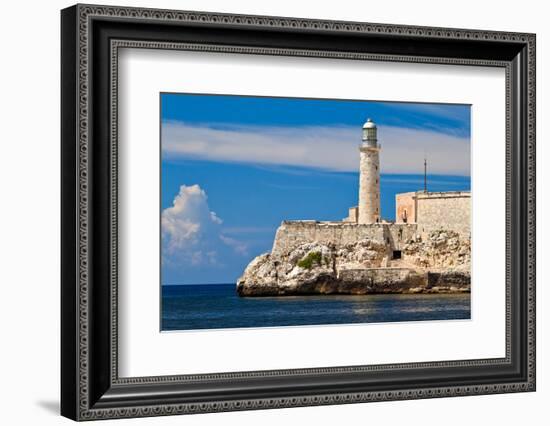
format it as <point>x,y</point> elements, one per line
<point>192,307</point>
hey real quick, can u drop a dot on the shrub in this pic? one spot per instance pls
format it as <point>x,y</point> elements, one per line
<point>312,258</point>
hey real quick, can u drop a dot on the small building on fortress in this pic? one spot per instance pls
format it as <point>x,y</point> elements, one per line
<point>426,249</point>
<point>431,211</point>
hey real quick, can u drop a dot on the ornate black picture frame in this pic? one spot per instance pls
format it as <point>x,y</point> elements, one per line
<point>91,387</point>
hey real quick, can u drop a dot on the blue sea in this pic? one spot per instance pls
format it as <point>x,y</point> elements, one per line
<point>214,306</point>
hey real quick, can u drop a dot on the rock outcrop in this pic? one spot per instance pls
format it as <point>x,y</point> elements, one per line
<point>441,249</point>
<point>440,263</point>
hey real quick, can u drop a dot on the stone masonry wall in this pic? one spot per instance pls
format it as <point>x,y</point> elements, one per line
<point>293,233</point>
<point>444,210</point>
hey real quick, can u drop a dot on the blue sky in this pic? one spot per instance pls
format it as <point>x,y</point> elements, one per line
<point>234,167</point>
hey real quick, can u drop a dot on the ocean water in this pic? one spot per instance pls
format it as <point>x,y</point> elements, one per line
<point>214,306</point>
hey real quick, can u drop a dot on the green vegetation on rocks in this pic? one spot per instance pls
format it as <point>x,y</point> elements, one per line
<point>312,258</point>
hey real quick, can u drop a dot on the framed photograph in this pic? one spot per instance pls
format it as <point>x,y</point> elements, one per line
<point>263,212</point>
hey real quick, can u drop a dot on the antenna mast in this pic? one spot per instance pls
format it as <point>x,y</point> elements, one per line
<point>425,175</point>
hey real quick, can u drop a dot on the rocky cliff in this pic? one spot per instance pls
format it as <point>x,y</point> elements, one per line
<point>439,263</point>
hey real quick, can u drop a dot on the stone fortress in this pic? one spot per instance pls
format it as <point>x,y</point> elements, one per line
<point>425,250</point>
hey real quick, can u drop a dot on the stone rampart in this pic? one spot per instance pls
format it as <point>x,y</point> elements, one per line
<point>444,210</point>
<point>293,233</point>
<point>434,211</point>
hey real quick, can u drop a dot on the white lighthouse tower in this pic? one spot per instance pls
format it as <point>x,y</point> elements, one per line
<point>369,176</point>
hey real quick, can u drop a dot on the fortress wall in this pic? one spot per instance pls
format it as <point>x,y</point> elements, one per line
<point>398,234</point>
<point>386,276</point>
<point>293,233</point>
<point>444,210</point>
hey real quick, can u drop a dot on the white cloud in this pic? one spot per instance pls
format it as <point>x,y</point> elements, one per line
<point>192,233</point>
<point>236,245</point>
<point>324,147</point>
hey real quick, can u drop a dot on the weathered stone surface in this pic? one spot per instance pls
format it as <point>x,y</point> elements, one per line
<point>293,233</point>
<point>439,264</point>
<point>431,211</point>
<point>441,249</point>
<point>444,210</point>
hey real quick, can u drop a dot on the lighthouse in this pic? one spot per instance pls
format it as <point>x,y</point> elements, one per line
<point>369,175</point>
